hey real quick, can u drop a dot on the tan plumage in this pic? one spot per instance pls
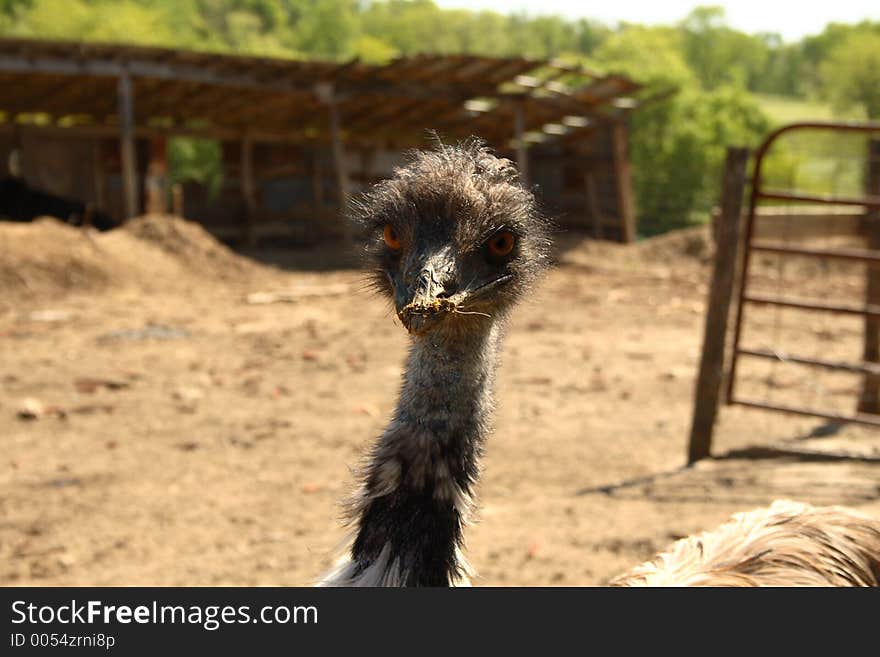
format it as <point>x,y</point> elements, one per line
<point>785,544</point>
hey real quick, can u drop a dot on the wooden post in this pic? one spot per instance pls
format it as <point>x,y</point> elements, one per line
<point>708,388</point>
<point>339,155</point>
<point>869,400</point>
<point>593,204</point>
<point>88,215</point>
<point>368,155</point>
<point>248,189</point>
<point>326,94</point>
<point>317,179</point>
<point>522,151</point>
<point>98,175</point>
<point>156,180</point>
<point>177,199</point>
<point>623,180</point>
<point>127,147</point>
<point>16,155</point>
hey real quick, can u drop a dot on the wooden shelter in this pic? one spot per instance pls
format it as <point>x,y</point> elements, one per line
<point>91,121</point>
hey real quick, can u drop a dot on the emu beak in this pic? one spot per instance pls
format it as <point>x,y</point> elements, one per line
<point>418,316</point>
<point>429,301</point>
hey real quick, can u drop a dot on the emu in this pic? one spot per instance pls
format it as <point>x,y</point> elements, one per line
<point>786,544</point>
<point>455,240</point>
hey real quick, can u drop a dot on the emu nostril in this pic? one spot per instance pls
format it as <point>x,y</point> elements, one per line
<point>449,289</point>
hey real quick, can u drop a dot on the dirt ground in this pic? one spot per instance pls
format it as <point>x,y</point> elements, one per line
<point>163,424</point>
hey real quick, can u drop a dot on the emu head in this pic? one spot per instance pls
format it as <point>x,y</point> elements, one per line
<point>454,238</point>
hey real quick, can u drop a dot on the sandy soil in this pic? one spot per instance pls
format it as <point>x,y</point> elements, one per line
<point>159,429</point>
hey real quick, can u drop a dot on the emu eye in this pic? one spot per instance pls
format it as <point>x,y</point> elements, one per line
<point>501,244</point>
<point>391,238</point>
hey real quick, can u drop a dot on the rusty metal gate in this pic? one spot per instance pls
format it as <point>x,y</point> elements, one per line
<point>831,293</point>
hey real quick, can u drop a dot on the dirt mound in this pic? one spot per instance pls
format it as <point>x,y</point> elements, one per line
<point>49,258</point>
<point>688,246</point>
<point>695,243</point>
<point>189,242</point>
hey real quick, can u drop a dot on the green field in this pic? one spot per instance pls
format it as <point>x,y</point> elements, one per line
<point>813,161</point>
<point>784,109</point>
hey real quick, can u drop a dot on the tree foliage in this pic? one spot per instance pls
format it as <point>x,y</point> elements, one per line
<point>851,74</point>
<point>677,146</point>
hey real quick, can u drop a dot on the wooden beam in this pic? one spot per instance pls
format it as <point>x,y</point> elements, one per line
<point>177,207</point>
<point>156,180</point>
<point>593,204</point>
<point>127,147</point>
<point>91,98</point>
<point>105,66</point>
<point>339,161</point>
<point>164,98</point>
<point>522,149</point>
<point>326,93</point>
<point>268,111</point>
<point>317,178</point>
<point>420,71</point>
<point>175,70</point>
<point>248,189</point>
<point>624,182</point>
<point>103,130</point>
<point>379,114</point>
<point>368,155</point>
<point>540,111</point>
<point>422,117</point>
<point>98,176</point>
<point>709,379</point>
<point>454,116</point>
<point>40,91</point>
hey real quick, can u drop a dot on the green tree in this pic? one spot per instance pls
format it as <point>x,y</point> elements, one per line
<point>12,8</point>
<point>677,145</point>
<point>817,49</point>
<point>783,72</point>
<point>851,74</point>
<point>718,54</point>
<point>196,159</point>
<point>125,21</point>
<point>326,28</point>
<point>652,55</point>
<point>373,50</point>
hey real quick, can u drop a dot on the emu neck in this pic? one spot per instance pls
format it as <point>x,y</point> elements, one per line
<point>418,485</point>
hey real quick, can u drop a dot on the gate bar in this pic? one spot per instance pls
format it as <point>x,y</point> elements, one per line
<point>856,368</point>
<point>858,418</point>
<point>862,255</point>
<point>778,195</point>
<point>841,309</point>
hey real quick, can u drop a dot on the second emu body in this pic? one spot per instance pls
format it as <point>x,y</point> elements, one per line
<point>786,544</point>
